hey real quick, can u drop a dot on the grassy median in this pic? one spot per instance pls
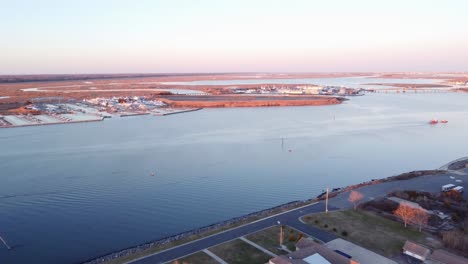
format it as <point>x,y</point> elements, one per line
<point>239,252</point>
<point>269,239</point>
<point>197,258</point>
<point>381,235</point>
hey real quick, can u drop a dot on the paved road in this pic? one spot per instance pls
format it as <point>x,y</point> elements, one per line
<point>431,183</point>
<point>289,218</point>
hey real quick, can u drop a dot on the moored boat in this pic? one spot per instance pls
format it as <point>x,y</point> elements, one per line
<point>433,121</point>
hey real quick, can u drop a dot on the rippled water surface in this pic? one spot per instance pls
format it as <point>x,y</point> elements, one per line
<point>72,192</point>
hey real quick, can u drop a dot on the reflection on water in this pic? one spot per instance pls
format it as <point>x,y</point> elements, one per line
<point>72,192</point>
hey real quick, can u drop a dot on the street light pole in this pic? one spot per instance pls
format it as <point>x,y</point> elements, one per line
<point>281,235</point>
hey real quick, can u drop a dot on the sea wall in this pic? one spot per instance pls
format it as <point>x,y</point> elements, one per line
<point>234,221</point>
<point>255,215</point>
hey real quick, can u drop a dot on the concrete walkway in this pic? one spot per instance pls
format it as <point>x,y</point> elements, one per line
<point>266,251</point>
<point>211,254</point>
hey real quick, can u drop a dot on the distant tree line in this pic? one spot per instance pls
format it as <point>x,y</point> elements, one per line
<point>76,77</point>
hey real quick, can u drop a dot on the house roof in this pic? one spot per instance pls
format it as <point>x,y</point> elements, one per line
<point>445,257</point>
<point>316,259</point>
<point>416,249</point>
<point>406,202</point>
<point>303,243</point>
<point>307,248</point>
<point>286,260</point>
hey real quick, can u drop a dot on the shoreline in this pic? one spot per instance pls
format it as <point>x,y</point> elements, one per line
<point>55,123</point>
<point>178,112</point>
<point>133,114</point>
<point>217,227</point>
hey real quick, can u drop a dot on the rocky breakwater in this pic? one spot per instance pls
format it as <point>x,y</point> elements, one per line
<point>188,236</point>
<point>458,165</point>
<point>195,233</point>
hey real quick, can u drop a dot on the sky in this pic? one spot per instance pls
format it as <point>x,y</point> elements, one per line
<point>154,36</point>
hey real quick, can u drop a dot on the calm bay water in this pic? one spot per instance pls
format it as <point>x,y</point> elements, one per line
<point>72,192</point>
<point>352,82</point>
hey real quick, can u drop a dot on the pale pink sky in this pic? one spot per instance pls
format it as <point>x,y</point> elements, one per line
<point>220,36</point>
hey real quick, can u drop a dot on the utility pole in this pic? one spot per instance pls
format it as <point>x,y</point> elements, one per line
<point>281,235</point>
<point>326,201</point>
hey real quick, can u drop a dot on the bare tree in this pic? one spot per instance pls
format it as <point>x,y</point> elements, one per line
<point>405,212</point>
<point>421,217</point>
<point>355,197</point>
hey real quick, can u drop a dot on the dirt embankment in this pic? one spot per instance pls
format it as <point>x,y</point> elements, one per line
<point>246,101</point>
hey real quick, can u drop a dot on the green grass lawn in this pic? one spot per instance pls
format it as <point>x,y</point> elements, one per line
<point>269,239</point>
<point>197,258</point>
<point>239,252</point>
<point>381,235</point>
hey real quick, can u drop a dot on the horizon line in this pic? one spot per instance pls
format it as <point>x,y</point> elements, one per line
<point>220,73</point>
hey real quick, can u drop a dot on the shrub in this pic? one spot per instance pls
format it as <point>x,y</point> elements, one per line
<point>334,229</point>
<point>292,238</point>
<point>412,195</point>
<point>344,233</point>
<point>299,236</point>
<point>325,225</point>
<point>455,239</point>
<point>456,217</point>
<point>447,204</point>
<point>454,195</point>
<point>316,221</point>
